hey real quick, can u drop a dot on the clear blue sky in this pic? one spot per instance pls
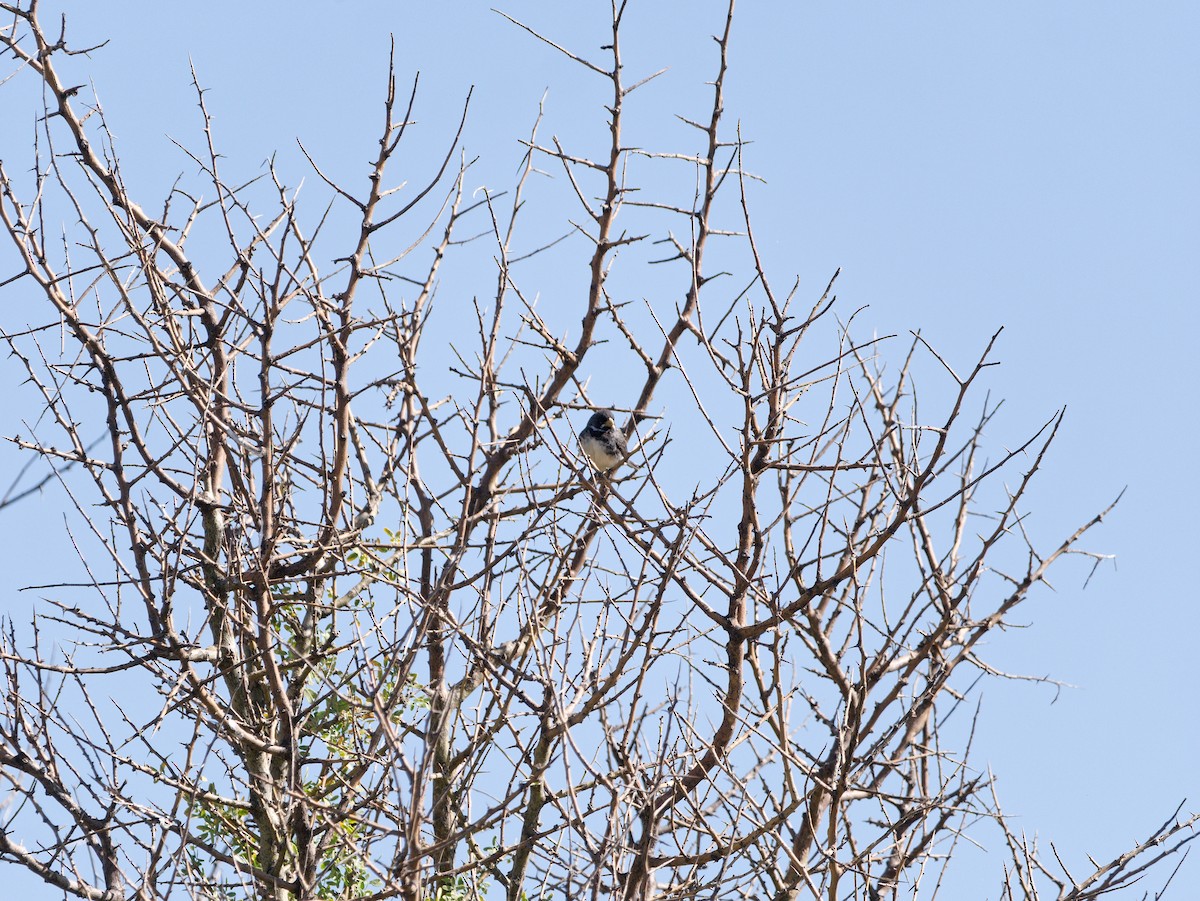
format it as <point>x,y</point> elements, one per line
<point>1029,165</point>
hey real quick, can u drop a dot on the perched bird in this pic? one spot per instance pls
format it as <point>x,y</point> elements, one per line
<point>603,442</point>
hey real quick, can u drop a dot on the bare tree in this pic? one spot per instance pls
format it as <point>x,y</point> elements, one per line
<point>375,626</point>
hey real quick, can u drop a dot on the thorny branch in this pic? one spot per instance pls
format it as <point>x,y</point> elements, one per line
<point>381,631</point>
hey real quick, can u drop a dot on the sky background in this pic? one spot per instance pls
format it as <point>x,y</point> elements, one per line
<point>1025,165</point>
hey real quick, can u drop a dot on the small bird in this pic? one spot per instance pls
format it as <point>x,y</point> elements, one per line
<point>603,442</point>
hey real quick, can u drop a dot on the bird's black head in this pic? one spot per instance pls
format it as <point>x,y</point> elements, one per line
<point>601,421</point>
